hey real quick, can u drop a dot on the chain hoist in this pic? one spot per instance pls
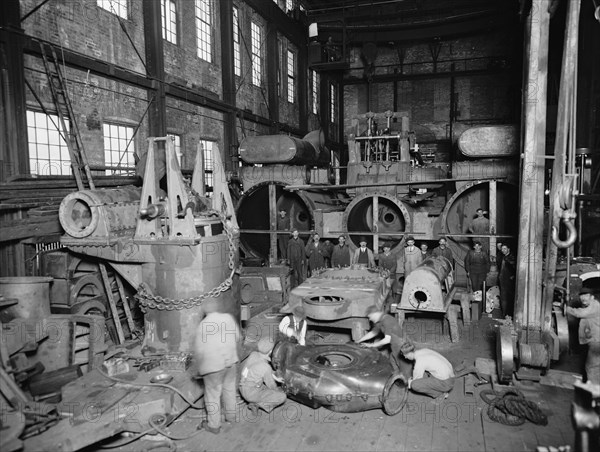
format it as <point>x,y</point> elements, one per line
<point>149,301</point>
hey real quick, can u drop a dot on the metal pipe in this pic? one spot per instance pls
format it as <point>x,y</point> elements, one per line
<point>388,184</point>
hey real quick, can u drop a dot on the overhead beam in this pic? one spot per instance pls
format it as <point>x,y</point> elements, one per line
<point>398,32</point>
<point>387,78</point>
<point>290,28</point>
<point>111,71</point>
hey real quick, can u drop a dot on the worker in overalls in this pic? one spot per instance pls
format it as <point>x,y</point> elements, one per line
<point>258,385</point>
<point>296,258</point>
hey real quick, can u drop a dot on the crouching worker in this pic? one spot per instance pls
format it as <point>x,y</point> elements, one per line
<point>387,328</point>
<point>257,384</point>
<point>433,375</point>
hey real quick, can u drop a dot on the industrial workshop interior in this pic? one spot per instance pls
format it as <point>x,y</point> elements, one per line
<point>300,225</point>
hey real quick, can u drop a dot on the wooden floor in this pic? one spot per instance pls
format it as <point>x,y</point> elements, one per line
<point>459,423</point>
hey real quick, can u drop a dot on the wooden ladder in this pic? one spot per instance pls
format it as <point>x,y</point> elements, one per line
<point>64,111</point>
<point>81,168</point>
<point>113,304</point>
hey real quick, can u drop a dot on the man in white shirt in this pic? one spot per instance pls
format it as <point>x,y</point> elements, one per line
<point>293,326</point>
<point>433,375</point>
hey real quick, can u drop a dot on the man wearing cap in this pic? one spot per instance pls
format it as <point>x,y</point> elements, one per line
<point>387,326</point>
<point>293,326</point>
<point>257,383</point>
<point>411,257</point>
<point>481,225</point>
<point>387,260</point>
<point>216,348</point>
<point>340,256</point>
<point>363,255</point>
<point>589,330</point>
<point>316,252</point>
<point>297,258</point>
<point>443,250</point>
<point>477,265</point>
<point>283,224</point>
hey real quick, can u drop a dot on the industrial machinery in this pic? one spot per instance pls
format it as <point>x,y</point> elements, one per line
<point>340,297</point>
<point>429,287</point>
<point>178,248</point>
<point>531,352</point>
<point>272,163</point>
<point>344,377</point>
<point>389,187</point>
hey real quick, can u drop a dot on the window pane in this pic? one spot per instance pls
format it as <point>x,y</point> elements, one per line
<point>291,70</point>
<point>203,29</point>
<point>47,152</point>
<point>208,165</point>
<point>256,38</point>
<point>118,7</point>
<point>169,20</point>
<point>237,58</point>
<point>116,151</point>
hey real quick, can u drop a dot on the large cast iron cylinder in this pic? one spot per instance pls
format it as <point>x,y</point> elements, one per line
<point>101,212</point>
<point>270,149</point>
<point>426,287</point>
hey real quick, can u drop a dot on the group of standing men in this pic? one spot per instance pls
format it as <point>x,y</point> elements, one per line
<point>478,263</point>
<point>305,258</point>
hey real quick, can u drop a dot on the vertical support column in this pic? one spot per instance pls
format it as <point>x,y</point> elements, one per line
<point>228,81</point>
<point>273,82</point>
<point>155,65</point>
<point>272,224</point>
<point>568,71</point>
<point>324,107</point>
<point>375,224</point>
<point>13,121</point>
<point>529,256</point>
<point>493,220</point>
<point>340,109</point>
<point>302,78</point>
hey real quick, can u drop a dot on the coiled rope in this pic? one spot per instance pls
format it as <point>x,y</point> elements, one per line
<point>512,408</point>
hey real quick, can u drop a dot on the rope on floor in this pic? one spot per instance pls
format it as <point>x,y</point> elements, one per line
<point>512,408</point>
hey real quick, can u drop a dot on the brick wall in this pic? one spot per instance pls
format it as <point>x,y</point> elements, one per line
<point>82,26</point>
<point>480,98</point>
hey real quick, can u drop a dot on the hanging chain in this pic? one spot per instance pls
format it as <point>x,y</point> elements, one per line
<point>149,301</point>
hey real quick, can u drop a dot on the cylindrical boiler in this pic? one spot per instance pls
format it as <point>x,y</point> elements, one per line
<point>392,218</point>
<point>253,213</point>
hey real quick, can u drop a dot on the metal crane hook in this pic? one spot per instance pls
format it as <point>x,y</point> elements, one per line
<point>566,199</point>
<point>571,233</point>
